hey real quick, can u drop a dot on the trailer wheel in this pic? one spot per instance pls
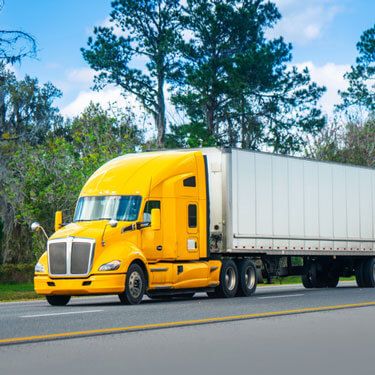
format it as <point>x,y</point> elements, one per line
<point>333,280</point>
<point>359,274</point>
<point>135,286</point>
<point>58,300</point>
<point>306,281</point>
<point>228,281</point>
<point>368,273</point>
<point>248,278</point>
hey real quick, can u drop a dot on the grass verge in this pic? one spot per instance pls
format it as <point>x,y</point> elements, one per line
<point>14,292</point>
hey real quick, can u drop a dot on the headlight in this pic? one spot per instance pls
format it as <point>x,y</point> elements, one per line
<point>39,268</point>
<point>111,266</point>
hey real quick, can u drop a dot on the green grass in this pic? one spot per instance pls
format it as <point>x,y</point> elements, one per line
<point>297,280</point>
<point>14,292</point>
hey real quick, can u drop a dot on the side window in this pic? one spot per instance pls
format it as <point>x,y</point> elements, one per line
<point>192,215</point>
<point>190,182</point>
<point>148,207</point>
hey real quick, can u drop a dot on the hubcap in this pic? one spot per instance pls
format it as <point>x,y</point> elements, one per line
<point>249,278</point>
<point>135,284</point>
<point>230,278</point>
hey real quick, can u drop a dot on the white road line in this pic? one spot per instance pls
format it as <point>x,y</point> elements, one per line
<point>283,296</point>
<point>63,313</point>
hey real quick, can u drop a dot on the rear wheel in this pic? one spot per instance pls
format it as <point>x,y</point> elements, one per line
<point>228,280</point>
<point>359,275</point>
<point>135,286</point>
<point>368,273</point>
<point>247,278</point>
<point>58,300</point>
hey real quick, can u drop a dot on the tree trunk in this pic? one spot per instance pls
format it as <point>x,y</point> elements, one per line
<point>160,117</point>
<point>2,105</point>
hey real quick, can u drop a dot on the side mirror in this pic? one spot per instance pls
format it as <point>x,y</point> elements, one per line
<point>113,223</point>
<point>155,219</point>
<point>58,220</point>
<point>35,226</point>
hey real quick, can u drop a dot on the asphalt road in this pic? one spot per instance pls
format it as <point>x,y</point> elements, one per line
<point>340,340</point>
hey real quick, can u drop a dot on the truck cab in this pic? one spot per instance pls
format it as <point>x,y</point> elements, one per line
<point>140,226</point>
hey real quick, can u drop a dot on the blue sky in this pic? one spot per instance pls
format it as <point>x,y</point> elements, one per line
<point>323,33</point>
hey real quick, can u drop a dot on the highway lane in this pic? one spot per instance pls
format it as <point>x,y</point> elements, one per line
<point>96,313</point>
<point>339,342</point>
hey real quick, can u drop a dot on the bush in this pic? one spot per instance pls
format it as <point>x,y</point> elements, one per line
<point>16,273</point>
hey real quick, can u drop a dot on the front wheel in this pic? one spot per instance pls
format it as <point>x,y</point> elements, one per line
<point>135,286</point>
<point>58,300</point>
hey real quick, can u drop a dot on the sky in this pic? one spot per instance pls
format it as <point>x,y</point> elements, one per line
<point>323,33</point>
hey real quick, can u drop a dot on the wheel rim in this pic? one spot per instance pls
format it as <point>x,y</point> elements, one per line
<point>373,272</point>
<point>249,278</point>
<point>230,278</point>
<point>135,284</point>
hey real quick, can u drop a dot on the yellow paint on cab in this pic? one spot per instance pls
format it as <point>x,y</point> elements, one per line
<point>156,176</point>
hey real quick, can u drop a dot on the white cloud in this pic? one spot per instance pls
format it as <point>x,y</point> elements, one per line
<point>303,21</point>
<point>81,76</point>
<point>331,76</point>
<point>105,97</point>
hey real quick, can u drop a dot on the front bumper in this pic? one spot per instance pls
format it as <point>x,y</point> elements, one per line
<point>95,284</point>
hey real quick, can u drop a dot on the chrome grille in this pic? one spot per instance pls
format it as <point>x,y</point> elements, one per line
<point>80,259</point>
<point>57,258</point>
<point>70,256</point>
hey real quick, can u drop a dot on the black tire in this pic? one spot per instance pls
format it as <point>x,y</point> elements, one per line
<point>314,277</point>
<point>58,300</point>
<point>332,281</point>
<point>306,281</point>
<point>228,280</point>
<point>247,273</point>
<point>135,286</point>
<point>359,274</point>
<point>368,273</point>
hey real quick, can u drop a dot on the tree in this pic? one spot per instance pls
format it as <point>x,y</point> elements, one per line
<point>352,143</point>
<point>28,111</point>
<point>40,179</point>
<point>148,30</point>
<point>237,84</point>
<point>15,45</point>
<point>361,91</point>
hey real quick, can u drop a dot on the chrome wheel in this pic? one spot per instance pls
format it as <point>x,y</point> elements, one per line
<point>250,278</point>
<point>230,278</point>
<point>135,284</point>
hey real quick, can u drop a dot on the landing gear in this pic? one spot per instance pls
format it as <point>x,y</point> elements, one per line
<point>58,300</point>
<point>135,286</point>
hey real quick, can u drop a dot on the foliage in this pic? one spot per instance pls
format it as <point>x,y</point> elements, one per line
<point>26,108</point>
<point>145,30</point>
<point>47,177</point>
<point>237,84</point>
<point>354,143</point>
<point>361,91</point>
<point>16,273</point>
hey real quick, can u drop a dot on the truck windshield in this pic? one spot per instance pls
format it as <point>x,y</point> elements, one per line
<point>121,208</point>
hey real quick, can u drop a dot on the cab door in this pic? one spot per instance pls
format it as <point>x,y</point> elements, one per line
<point>188,230</point>
<point>151,239</point>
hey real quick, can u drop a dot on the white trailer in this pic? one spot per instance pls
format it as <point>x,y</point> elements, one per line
<point>274,207</point>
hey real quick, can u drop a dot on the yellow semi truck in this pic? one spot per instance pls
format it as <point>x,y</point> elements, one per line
<point>172,223</point>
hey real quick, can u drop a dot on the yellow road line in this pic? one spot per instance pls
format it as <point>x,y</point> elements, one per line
<point>54,336</point>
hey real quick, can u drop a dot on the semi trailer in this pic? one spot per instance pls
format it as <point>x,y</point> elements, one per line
<point>172,223</point>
